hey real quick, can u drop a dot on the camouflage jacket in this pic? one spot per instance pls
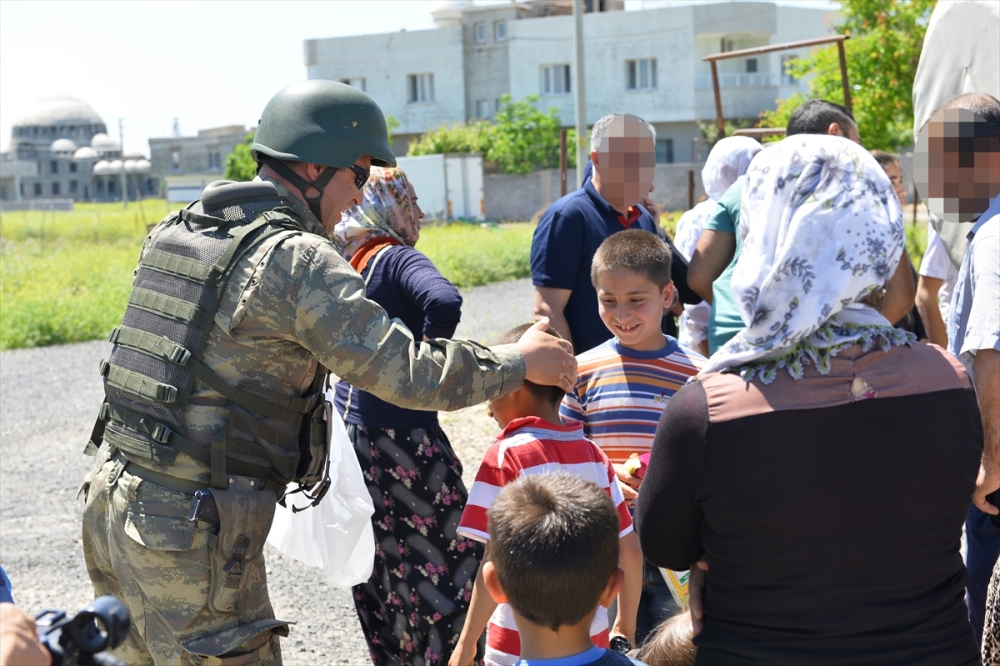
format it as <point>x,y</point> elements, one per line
<point>295,303</point>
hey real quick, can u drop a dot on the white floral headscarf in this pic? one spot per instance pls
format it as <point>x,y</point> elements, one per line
<point>387,210</point>
<point>728,160</point>
<point>822,230</point>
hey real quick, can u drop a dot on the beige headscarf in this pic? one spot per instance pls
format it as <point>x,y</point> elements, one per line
<point>387,211</point>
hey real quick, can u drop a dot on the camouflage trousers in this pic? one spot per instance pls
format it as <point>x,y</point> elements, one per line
<point>189,602</point>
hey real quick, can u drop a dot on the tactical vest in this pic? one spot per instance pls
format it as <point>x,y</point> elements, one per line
<point>157,356</point>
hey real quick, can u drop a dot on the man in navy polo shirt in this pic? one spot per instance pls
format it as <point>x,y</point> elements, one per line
<point>623,155</point>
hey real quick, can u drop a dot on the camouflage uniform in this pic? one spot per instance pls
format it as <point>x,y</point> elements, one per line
<point>290,304</point>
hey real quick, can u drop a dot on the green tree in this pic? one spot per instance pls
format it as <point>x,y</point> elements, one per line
<point>521,138</point>
<point>886,37</point>
<point>240,165</point>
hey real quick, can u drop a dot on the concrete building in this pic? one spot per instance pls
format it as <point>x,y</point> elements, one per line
<point>60,150</point>
<point>646,62</point>
<point>186,164</point>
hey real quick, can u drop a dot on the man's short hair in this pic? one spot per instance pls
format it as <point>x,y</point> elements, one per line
<point>600,129</point>
<point>554,543</point>
<point>985,106</point>
<point>883,158</point>
<point>552,395</point>
<point>636,250</point>
<point>816,116</point>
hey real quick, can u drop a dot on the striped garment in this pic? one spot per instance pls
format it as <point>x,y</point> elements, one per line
<point>531,445</point>
<point>620,393</point>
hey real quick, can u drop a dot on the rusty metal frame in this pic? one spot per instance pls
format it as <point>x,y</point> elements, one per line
<point>758,50</point>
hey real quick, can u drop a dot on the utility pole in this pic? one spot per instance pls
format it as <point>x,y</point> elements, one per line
<point>582,147</point>
<point>121,158</point>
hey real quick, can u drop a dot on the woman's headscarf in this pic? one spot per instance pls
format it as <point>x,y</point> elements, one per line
<point>822,230</point>
<point>728,160</point>
<point>387,210</point>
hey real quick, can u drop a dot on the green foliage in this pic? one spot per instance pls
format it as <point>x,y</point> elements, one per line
<point>240,165</point>
<point>521,138</point>
<point>710,129</point>
<point>882,56</point>
<point>65,276</point>
<point>391,125</point>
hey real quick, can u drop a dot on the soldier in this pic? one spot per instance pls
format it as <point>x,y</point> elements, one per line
<point>240,306</point>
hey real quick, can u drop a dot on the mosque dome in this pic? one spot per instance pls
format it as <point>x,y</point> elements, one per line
<point>133,155</point>
<point>129,166</point>
<point>115,166</point>
<point>85,153</point>
<point>448,13</point>
<point>58,111</point>
<point>104,143</point>
<point>103,167</point>
<point>143,166</point>
<point>63,146</point>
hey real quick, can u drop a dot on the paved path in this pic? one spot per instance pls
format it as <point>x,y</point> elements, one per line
<point>48,400</point>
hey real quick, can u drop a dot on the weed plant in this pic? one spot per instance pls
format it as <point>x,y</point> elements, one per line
<point>65,276</point>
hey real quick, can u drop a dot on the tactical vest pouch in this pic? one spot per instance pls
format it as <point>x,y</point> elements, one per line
<point>237,550</point>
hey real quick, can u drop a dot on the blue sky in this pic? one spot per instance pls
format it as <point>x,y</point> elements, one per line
<point>205,63</point>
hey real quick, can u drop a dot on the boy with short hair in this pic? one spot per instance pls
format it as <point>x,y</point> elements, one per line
<point>534,441</point>
<point>555,547</point>
<point>623,385</point>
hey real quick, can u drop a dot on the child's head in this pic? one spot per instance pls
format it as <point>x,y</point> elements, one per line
<point>631,273</point>
<point>671,644</point>
<point>890,164</point>
<point>529,400</point>
<point>553,549</point>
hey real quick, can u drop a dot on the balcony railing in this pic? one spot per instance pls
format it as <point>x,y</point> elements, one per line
<point>756,80</point>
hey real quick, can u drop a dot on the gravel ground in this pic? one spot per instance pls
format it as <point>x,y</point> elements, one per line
<point>48,400</point>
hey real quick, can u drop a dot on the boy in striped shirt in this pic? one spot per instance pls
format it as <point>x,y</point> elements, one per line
<point>534,442</point>
<point>624,384</point>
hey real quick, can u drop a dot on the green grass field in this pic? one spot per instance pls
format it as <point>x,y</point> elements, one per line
<point>65,276</point>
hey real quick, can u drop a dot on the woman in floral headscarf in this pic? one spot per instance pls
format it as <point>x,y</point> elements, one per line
<point>823,463</point>
<point>729,159</point>
<point>413,606</point>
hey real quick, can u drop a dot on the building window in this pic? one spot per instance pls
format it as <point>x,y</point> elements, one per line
<point>664,151</point>
<point>54,166</point>
<point>787,78</point>
<point>751,65</point>
<point>479,31</point>
<point>500,30</point>
<point>38,189</point>
<point>555,79</point>
<point>100,187</point>
<point>421,87</point>
<point>726,45</point>
<point>72,167</point>
<point>55,189</point>
<point>497,104</point>
<point>214,161</point>
<point>642,74</point>
<point>72,187</point>
<point>175,160</point>
<point>482,108</point>
<point>357,81</point>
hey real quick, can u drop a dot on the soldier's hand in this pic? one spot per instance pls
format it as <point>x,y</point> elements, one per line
<point>18,641</point>
<point>548,360</point>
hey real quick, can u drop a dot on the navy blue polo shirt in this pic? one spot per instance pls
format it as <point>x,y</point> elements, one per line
<point>563,248</point>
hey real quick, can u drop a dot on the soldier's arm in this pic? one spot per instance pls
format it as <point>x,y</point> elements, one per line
<point>354,338</point>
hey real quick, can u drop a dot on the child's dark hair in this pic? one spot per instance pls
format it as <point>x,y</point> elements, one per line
<point>816,116</point>
<point>550,394</point>
<point>554,543</point>
<point>883,158</point>
<point>636,250</point>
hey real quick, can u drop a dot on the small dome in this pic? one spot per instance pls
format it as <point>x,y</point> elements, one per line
<point>63,146</point>
<point>60,110</point>
<point>129,166</point>
<point>142,166</point>
<point>85,153</point>
<point>102,167</point>
<point>133,155</point>
<point>448,13</point>
<point>104,143</point>
<point>115,166</point>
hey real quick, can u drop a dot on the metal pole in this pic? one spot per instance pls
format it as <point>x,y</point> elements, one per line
<point>718,102</point>
<point>690,189</point>
<point>121,158</point>
<point>582,149</point>
<point>563,163</point>
<point>843,76</point>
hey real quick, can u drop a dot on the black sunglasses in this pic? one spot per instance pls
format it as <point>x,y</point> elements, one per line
<point>360,175</point>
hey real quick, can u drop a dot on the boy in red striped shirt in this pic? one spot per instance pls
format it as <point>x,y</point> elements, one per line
<point>534,442</point>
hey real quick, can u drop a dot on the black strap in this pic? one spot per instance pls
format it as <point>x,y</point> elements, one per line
<point>301,183</point>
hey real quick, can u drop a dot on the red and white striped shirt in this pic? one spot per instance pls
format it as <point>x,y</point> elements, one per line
<point>532,445</point>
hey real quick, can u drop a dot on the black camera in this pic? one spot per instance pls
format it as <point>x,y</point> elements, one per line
<point>83,638</point>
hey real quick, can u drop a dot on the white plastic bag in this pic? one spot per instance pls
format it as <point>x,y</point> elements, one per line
<point>336,534</point>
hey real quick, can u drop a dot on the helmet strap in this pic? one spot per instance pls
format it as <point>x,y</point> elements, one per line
<point>301,183</point>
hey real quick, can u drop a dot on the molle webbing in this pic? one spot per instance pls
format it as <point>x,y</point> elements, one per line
<point>156,358</point>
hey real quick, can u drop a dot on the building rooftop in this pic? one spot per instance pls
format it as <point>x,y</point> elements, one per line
<point>58,110</point>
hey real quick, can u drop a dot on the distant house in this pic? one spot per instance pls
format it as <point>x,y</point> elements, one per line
<point>646,62</point>
<point>186,164</point>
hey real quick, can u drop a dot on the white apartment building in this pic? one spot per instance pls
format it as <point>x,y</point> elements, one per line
<point>647,62</point>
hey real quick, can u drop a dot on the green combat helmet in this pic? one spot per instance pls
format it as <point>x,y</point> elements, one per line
<point>320,122</point>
